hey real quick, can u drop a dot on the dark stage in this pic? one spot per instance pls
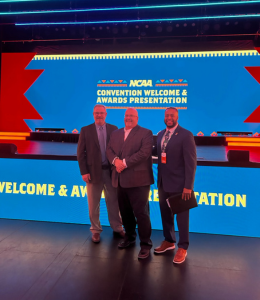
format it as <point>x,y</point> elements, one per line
<point>44,260</point>
<point>41,260</point>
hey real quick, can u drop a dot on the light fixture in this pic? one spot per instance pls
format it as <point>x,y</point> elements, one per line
<point>143,20</point>
<point>230,3</point>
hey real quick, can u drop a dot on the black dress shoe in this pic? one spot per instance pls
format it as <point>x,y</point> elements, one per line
<point>144,253</point>
<point>125,243</point>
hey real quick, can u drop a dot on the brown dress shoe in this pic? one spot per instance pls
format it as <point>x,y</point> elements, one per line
<point>96,237</point>
<point>164,247</point>
<point>180,256</point>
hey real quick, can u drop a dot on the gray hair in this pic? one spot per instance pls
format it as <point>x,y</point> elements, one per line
<point>99,105</point>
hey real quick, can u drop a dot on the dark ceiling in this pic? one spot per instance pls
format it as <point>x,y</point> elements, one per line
<point>127,26</point>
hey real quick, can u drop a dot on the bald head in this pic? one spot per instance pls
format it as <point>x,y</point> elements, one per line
<point>131,118</point>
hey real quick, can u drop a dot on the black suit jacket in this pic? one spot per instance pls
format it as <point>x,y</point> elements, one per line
<point>88,151</point>
<point>137,152</point>
<point>181,161</point>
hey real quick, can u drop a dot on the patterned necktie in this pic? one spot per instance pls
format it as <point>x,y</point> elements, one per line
<point>166,140</point>
<point>102,144</point>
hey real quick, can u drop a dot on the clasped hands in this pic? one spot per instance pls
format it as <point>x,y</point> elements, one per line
<point>119,164</point>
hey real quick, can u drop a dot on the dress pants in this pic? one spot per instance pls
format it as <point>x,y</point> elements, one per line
<point>168,221</point>
<point>94,191</point>
<point>134,209</point>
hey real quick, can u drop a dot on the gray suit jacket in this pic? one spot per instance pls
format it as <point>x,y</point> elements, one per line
<point>181,161</point>
<point>137,152</point>
<point>88,152</point>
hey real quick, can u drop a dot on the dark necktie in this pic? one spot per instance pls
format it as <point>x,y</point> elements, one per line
<point>166,140</point>
<point>102,144</point>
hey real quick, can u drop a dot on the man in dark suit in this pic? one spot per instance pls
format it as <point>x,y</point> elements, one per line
<point>177,162</point>
<point>95,171</point>
<point>129,150</point>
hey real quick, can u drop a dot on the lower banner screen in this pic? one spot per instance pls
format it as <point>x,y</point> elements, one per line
<point>48,190</point>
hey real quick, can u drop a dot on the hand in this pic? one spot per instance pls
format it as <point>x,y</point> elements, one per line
<point>120,166</point>
<point>86,178</point>
<point>186,194</point>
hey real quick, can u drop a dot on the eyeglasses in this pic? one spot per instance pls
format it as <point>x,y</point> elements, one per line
<point>99,113</point>
<point>130,116</point>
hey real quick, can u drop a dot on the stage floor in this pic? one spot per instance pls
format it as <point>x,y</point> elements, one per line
<point>41,260</point>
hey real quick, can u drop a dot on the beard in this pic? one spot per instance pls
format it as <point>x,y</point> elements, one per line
<point>172,125</point>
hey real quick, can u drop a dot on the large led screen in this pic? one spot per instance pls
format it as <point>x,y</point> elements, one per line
<point>214,91</point>
<point>54,191</point>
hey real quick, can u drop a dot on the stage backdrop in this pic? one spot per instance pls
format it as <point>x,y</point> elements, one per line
<point>54,191</point>
<point>214,91</point>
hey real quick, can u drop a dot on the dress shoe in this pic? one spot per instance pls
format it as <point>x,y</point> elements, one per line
<point>96,237</point>
<point>125,243</point>
<point>180,256</point>
<point>120,234</point>
<point>144,253</point>
<point>164,247</point>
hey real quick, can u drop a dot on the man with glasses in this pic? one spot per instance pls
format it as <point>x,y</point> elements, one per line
<point>129,151</point>
<point>96,172</point>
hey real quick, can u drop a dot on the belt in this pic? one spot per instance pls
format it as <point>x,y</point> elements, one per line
<point>105,167</point>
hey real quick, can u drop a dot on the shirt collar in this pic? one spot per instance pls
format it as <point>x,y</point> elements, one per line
<point>127,130</point>
<point>98,126</point>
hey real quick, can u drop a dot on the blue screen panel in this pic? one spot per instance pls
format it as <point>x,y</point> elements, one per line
<point>213,90</point>
<point>54,191</point>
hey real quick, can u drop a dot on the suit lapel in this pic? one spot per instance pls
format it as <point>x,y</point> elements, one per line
<point>108,133</point>
<point>120,141</point>
<point>121,137</point>
<point>159,141</point>
<point>131,135</point>
<point>94,133</point>
<point>173,137</point>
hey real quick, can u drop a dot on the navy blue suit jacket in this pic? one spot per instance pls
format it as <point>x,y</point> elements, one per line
<point>181,161</point>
